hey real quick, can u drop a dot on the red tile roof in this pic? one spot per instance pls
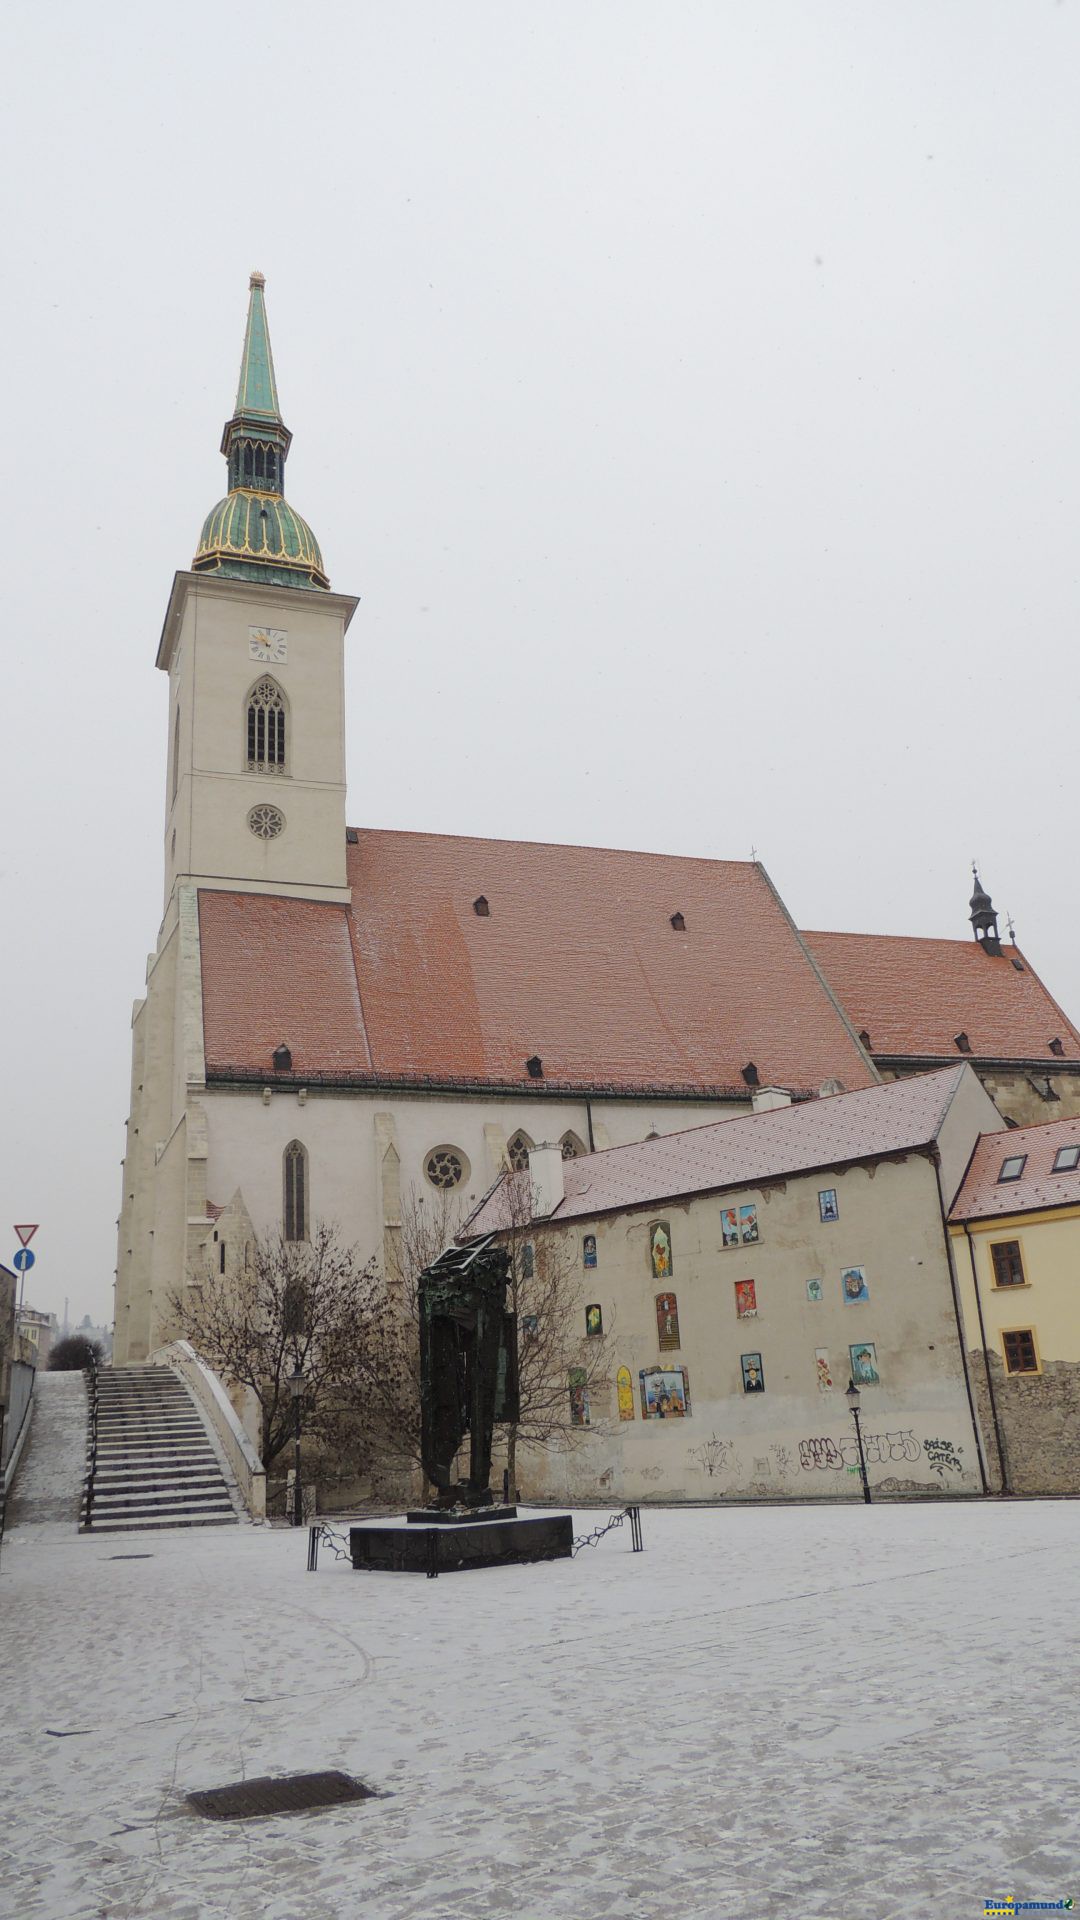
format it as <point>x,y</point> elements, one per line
<point>279,970</point>
<point>914,996</point>
<point>576,962</point>
<point>982,1195</point>
<point>816,1134</point>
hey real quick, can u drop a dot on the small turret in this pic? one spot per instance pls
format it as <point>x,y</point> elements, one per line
<point>984,920</point>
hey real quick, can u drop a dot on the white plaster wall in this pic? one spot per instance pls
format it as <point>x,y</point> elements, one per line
<point>247,1140</point>
<point>756,1444</point>
<point>211,677</point>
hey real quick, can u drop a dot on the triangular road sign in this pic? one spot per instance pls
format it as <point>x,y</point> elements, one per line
<point>26,1234</point>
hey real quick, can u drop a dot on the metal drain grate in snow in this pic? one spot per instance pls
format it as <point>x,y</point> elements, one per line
<point>250,1799</point>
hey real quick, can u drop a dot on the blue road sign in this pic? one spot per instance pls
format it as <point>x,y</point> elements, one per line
<point>22,1260</point>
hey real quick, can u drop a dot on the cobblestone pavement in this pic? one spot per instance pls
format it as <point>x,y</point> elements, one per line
<point>848,1713</point>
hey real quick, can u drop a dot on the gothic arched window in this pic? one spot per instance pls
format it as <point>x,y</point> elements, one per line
<point>572,1147</point>
<point>266,728</point>
<point>517,1151</point>
<point>295,1210</point>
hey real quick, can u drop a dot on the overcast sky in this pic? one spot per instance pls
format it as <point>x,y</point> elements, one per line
<point>688,390</point>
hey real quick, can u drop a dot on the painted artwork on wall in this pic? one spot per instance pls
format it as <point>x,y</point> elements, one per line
<point>594,1320</point>
<point>667,1321</point>
<point>745,1299</point>
<point>815,1291</point>
<point>660,1249</point>
<point>665,1393</point>
<point>624,1388</point>
<point>864,1367</point>
<point>853,1284</point>
<point>827,1206</point>
<point>530,1326</point>
<point>739,1226</point>
<point>588,1248</point>
<point>578,1382</point>
<point>753,1373</point>
<point>824,1374</point>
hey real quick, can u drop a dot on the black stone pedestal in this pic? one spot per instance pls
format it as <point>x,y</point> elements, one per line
<point>457,1516</point>
<point>394,1547</point>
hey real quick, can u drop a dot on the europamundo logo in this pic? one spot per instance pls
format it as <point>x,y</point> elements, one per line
<point>1008,1904</point>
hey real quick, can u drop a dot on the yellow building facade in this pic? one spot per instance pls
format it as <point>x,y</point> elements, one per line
<point>1015,1232</point>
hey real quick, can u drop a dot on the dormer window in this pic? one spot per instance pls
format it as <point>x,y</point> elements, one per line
<point>1012,1168</point>
<point>962,1043</point>
<point>1066,1160</point>
<point>1057,1047</point>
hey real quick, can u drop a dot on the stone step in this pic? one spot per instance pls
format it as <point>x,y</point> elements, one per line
<point>153,1502</point>
<point>152,1525</point>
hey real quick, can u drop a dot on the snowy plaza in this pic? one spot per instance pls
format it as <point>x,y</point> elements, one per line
<point>841,1712</point>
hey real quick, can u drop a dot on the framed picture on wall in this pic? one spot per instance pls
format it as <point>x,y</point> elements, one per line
<point>827,1206</point>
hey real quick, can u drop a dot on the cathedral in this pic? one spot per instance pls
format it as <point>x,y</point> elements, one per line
<point>339,1020</point>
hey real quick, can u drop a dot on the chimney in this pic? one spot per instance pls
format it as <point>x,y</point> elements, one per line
<point>546,1177</point>
<point>766,1099</point>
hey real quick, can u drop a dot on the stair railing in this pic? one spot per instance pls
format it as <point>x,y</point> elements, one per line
<point>91,1374</point>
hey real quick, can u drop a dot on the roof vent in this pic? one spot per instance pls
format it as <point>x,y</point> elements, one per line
<point>1019,965</point>
<point>864,1039</point>
<point>678,923</point>
<point>352,838</point>
<point>963,1043</point>
<point>535,1067</point>
<point>481,908</point>
<point>282,1059</point>
<point>1056,1046</point>
<point>750,1074</point>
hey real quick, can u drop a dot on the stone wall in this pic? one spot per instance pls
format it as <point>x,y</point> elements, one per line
<point>1039,1419</point>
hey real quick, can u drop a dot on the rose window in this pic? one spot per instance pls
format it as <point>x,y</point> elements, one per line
<point>446,1167</point>
<point>266,822</point>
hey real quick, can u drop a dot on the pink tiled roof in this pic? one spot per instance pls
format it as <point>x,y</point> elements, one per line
<point>981,1195</point>
<point>914,996</point>
<point>277,970</point>
<point>576,962</point>
<point>816,1134</point>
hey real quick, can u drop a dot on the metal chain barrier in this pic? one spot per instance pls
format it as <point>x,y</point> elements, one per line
<point>331,1538</point>
<point>633,1514</point>
<point>341,1552</point>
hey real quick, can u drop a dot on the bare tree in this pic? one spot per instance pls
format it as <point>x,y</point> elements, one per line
<point>307,1303</point>
<point>560,1364</point>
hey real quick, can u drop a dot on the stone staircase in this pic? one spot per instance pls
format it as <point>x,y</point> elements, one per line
<point>154,1466</point>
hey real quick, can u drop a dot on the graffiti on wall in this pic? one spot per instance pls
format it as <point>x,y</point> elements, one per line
<point>942,1456</point>
<point>717,1456</point>
<point>824,1453</point>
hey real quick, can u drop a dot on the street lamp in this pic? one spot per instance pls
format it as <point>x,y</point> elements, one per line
<point>296,1388</point>
<point>852,1397</point>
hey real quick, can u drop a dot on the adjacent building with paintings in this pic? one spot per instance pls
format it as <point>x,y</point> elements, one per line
<point>1016,1236</point>
<point>339,1020</point>
<point>743,1273</point>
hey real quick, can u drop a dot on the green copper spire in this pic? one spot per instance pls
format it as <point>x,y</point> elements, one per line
<point>257,391</point>
<point>254,534</point>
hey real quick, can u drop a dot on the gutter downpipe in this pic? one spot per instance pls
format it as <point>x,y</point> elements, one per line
<point>588,1117</point>
<point>986,1361</point>
<point>955,1291</point>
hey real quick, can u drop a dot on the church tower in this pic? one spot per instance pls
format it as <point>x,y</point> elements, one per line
<point>253,644</point>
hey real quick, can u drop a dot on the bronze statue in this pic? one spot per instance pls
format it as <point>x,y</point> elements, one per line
<point>468,1366</point>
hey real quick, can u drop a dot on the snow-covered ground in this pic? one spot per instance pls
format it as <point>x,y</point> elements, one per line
<point>853,1713</point>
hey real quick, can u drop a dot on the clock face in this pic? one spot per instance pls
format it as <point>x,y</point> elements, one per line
<point>267,643</point>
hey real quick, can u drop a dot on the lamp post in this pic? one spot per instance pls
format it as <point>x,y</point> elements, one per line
<point>852,1398</point>
<point>296,1388</point>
